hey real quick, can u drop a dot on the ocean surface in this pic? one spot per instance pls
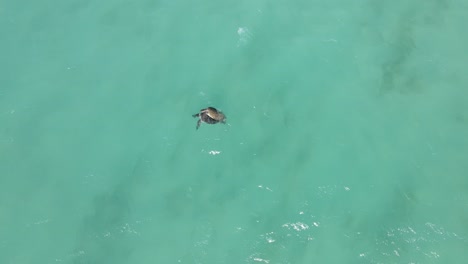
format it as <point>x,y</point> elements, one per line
<point>346,138</point>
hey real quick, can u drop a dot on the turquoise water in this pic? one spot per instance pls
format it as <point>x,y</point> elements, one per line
<point>346,139</point>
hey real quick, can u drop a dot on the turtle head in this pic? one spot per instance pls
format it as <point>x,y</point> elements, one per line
<point>221,117</point>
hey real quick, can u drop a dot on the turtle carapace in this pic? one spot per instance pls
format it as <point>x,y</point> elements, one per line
<point>210,115</point>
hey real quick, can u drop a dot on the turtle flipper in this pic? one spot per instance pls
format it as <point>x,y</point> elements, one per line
<point>198,123</point>
<point>196,115</point>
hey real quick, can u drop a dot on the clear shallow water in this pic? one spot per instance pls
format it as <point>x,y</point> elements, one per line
<point>346,140</point>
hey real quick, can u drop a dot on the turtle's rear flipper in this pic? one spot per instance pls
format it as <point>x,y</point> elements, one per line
<point>198,123</point>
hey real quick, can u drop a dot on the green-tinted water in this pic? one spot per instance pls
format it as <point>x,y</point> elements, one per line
<point>346,137</point>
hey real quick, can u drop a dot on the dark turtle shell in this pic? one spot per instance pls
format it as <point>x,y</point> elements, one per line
<point>210,115</point>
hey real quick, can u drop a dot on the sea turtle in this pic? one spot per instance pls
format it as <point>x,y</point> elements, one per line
<point>210,115</point>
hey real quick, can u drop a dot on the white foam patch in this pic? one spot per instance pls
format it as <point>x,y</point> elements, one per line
<point>265,187</point>
<point>299,226</point>
<point>261,260</point>
<point>244,36</point>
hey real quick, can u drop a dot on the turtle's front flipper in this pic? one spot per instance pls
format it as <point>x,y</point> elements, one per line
<point>198,123</point>
<point>196,115</point>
